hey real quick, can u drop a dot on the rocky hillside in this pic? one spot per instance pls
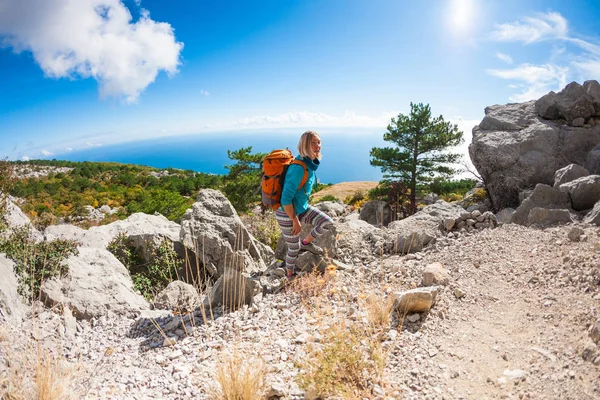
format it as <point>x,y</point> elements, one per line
<point>459,301</point>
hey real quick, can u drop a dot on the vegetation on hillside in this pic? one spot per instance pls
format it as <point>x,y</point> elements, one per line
<point>131,188</point>
<point>419,151</point>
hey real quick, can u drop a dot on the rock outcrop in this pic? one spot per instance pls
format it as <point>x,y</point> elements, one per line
<point>213,233</point>
<point>517,146</point>
<point>97,283</point>
<point>11,305</point>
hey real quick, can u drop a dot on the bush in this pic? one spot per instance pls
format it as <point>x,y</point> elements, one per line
<point>149,278</point>
<point>451,197</point>
<point>346,364</point>
<point>263,227</point>
<point>36,262</point>
<point>328,197</point>
<point>355,197</point>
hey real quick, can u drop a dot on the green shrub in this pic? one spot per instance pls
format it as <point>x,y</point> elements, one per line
<point>263,227</point>
<point>149,278</point>
<point>328,197</point>
<point>355,197</point>
<point>479,195</point>
<point>36,262</point>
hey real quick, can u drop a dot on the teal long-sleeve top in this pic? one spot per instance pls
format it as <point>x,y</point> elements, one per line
<point>291,193</point>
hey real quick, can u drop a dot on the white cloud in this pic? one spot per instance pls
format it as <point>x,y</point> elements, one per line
<point>539,79</point>
<point>504,57</point>
<point>204,92</point>
<point>530,30</point>
<point>590,69</point>
<point>92,38</point>
<point>45,153</point>
<point>69,149</point>
<point>90,144</point>
<point>577,64</point>
<point>305,118</point>
<point>24,158</point>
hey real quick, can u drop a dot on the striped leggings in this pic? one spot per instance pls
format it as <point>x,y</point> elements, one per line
<point>321,222</point>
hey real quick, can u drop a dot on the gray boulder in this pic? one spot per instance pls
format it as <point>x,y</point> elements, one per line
<point>505,216</point>
<point>584,192</point>
<point>358,241</point>
<point>97,283</point>
<point>412,234</point>
<point>543,196</point>
<point>545,217</point>
<point>517,146</point>
<point>376,213</point>
<point>213,233</point>
<point>231,291</point>
<point>569,173</point>
<point>573,102</point>
<point>11,305</point>
<point>593,217</point>
<point>178,296</point>
<point>15,219</point>
<point>332,208</point>
<point>101,236</point>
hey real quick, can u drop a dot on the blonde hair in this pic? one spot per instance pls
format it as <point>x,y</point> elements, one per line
<point>304,144</point>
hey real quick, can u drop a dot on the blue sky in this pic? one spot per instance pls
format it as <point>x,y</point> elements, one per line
<point>77,74</point>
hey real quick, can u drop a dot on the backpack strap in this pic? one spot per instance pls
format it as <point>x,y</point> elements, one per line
<point>305,177</point>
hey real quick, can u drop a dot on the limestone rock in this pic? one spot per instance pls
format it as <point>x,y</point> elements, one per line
<point>11,304</point>
<point>96,284</point>
<point>593,217</point>
<point>332,208</point>
<point>435,274</point>
<point>232,290</point>
<point>214,233</point>
<point>569,173</point>
<point>543,196</point>
<point>416,300</point>
<point>178,296</point>
<point>517,146</point>
<point>545,217</point>
<point>584,192</point>
<point>595,332</point>
<point>101,236</point>
<point>376,213</point>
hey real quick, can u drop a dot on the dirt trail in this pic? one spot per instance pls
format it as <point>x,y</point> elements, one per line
<point>529,296</point>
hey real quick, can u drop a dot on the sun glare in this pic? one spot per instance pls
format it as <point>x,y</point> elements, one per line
<point>460,14</point>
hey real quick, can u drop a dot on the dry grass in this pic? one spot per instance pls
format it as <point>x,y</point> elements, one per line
<point>313,288</point>
<point>345,365</point>
<point>379,309</point>
<point>37,374</point>
<point>239,379</point>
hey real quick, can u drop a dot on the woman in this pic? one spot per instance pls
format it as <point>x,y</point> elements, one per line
<point>295,210</point>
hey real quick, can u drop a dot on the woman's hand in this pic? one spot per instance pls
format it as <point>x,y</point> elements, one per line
<point>296,228</point>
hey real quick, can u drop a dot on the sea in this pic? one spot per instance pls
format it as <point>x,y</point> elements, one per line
<point>345,154</point>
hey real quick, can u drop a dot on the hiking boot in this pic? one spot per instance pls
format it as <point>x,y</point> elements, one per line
<point>313,248</point>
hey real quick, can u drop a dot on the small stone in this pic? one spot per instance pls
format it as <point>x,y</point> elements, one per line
<point>459,293</point>
<point>276,390</point>
<point>169,341</point>
<point>413,318</point>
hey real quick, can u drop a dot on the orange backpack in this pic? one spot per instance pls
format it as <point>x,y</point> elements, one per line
<point>275,166</point>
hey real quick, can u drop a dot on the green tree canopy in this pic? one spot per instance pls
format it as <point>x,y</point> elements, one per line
<point>420,148</point>
<point>242,183</point>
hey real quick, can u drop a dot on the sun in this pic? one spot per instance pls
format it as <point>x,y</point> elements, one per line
<point>461,15</point>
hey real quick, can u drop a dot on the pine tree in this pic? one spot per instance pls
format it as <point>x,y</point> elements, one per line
<point>421,149</point>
